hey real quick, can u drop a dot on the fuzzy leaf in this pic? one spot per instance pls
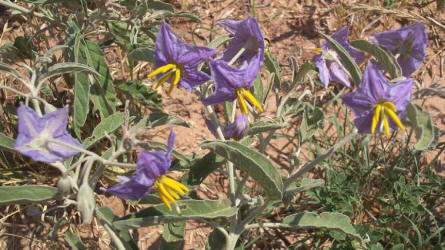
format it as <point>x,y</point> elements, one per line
<point>327,220</point>
<point>136,90</point>
<point>123,237</point>
<point>27,194</point>
<point>142,54</point>
<point>67,67</point>
<point>172,235</point>
<point>273,66</point>
<point>106,126</point>
<point>253,163</point>
<point>383,56</point>
<point>263,126</point>
<point>190,209</point>
<point>6,142</point>
<point>73,240</point>
<point>426,132</point>
<point>348,62</point>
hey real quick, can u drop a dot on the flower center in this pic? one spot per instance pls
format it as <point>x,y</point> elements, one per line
<point>168,190</point>
<point>241,93</point>
<point>171,71</point>
<point>40,141</point>
<point>382,110</point>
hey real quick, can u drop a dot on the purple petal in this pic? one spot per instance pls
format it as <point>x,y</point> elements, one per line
<point>192,78</point>
<point>400,94</point>
<point>57,121</point>
<point>337,74</point>
<point>323,70</point>
<point>409,43</point>
<point>237,129</point>
<point>247,35</point>
<point>373,84</point>
<point>130,188</point>
<point>152,164</point>
<point>211,127</point>
<point>363,122</point>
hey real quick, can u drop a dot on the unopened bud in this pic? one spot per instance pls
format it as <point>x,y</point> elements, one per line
<point>64,185</point>
<point>86,203</point>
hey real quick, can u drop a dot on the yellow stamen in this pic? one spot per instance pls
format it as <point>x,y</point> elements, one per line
<point>175,81</point>
<point>252,99</point>
<point>172,193</point>
<point>241,102</point>
<point>394,118</point>
<point>165,201</point>
<point>390,105</point>
<point>165,193</point>
<point>319,50</point>
<point>172,184</point>
<point>162,69</point>
<point>386,124</point>
<point>161,80</point>
<point>376,117</point>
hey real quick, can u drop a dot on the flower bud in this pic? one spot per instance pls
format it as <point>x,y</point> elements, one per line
<point>86,203</point>
<point>64,185</point>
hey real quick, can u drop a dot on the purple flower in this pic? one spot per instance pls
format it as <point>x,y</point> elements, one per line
<point>151,168</point>
<point>248,36</point>
<point>377,104</point>
<point>408,44</point>
<point>329,63</point>
<point>235,130</point>
<point>234,83</point>
<point>179,61</point>
<point>37,135</point>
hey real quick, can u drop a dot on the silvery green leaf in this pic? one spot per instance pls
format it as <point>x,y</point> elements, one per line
<point>312,116</point>
<point>142,54</point>
<point>67,67</point>
<point>190,209</point>
<point>172,235</point>
<point>8,69</point>
<point>86,202</point>
<point>6,142</point>
<point>348,62</point>
<point>139,92</point>
<point>200,169</point>
<point>102,91</point>
<point>216,240</point>
<point>263,126</point>
<point>258,89</point>
<point>382,55</point>
<point>326,220</point>
<point>215,43</point>
<point>106,126</point>
<point>273,66</point>
<point>155,119</point>
<point>420,120</point>
<point>64,185</point>
<point>255,164</point>
<point>120,237</point>
<point>73,240</point>
<point>27,194</point>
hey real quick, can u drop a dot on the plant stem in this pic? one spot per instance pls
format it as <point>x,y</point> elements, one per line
<point>95,156</point>
<point>24,10</point>
<point>320,158</point>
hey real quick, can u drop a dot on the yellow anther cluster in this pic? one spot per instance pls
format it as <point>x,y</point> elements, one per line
<point>382,110</point>
<point>241,94</point>
<point>170,71</point>
<point>168,190</point>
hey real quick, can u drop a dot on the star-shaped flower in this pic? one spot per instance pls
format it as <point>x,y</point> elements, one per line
<point>247,36</point>
<point>151,168</point>
<point>37,135</point>
<point>178,61</point>
<point>408,44</point>
<point>234,83</point>
<point>377,104</point>
<point>329,64</point>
